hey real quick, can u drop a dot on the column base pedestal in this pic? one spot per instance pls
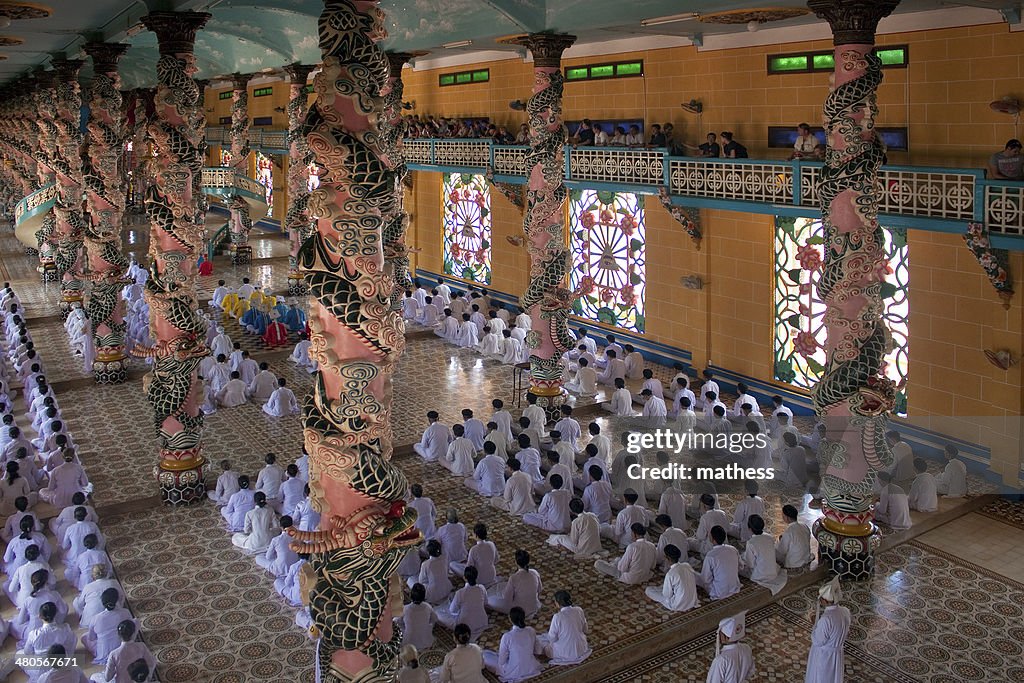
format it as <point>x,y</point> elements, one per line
<point>112,371</point>
<point>297,285</point>
<point>241,255</point>
<point>182,477</point>
<point>48,272</point>
<point>29,251</point>
<point>850,557</point>
<point>551,403</point>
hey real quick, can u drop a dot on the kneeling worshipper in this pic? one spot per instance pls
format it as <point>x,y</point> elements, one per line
<point>50,632</point>
<point>522,589</point>
<point>638,562</point>
<point>66,480</point>
<point>468,606</point>
<point>300,355</point>
<point>102,638</point>
<point>553,513</point>
<point>517,497</point>
<point>952,483</point>
<point>515,660</point>
<point>434,574</point>
<point>678,591</point>
<point>234,393</point>
<point>282,402</point>
<point>89,602</point>
<point>418,619</point>
<point>410,307</point>
<point>469,334</point>
<point>734,661</point>
<point>758,561</point>
<point>565,643</point>
<point>263,384</point>
<point>435,440</point>
<point>275,334</point>
<point>259,527</point>
<point>229,302</point>
<point>238,505</point>
<point>458,458</point>
<point>28,618</point>
<point>828,640</point>
<point>295,318</point>
<point>512,350</point>
<point>130,661</point>
<point>490,343</point>
<point>221,344</point>
<point>279,556</point>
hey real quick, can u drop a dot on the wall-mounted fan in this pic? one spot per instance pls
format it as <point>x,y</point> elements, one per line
<point>1008,105</point>
<point>693,106</point>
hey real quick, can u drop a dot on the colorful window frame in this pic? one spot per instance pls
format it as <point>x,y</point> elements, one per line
<point>892,56</point>
<point>464,77</point>
<point>263,92</point>
<point>604,71</point>
<point>466,227</point>
<point>225,95</point>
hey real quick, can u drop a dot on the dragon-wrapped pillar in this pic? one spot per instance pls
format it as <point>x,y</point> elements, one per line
<point>853,397</point>
<point>177,234</point>
<point>396,221</point>
<point>357,338</point>
<point>241,221</point>
<point>67,163</point>
<point>546,299</point>
<point>45,97</point>
<point>105,198</point>
<point>296,219</point>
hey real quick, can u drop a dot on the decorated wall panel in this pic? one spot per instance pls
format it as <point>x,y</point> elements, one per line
<point>466,227</point>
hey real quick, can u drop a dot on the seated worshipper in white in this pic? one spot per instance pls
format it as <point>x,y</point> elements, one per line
<point>14,555</point>
<point>953,480</point>
<point>88,603</point>
<point>489,475</point>
<point>515,660</point>
<point>476,430</point>
<point>429,312</point>
<point>670,535</point>
<point>490,344</point>
<point>263,384</point>
<point>673,504</point>
<point>222,344</point>
<point>529,457</point>
<point>434,574</point>
<point>496,438</point>
<point>902,469</point>
<point>753,504</point>
<point>584,538</point>
<point>458,459</point>
<point>719,574</point>
<point>792,459</point>
<point>131,661</point>
<point>638,562</point>
<point>13,486</point>
<point>282,402</point>
<point>553,514</point>
<point>655,411</point>
<point>102,638</point>
<point>501,418</point>
<point>238,505</point>
<point>780,426</point>
<point>758,561</point>
<point>522,589</point>
<point>270,478</point>
<point>59,524</point>
<point>622,530</point>
<point>77,572</point>
<point>814,440</point>
<point>418,620</point>
<point>247,370</point>
<point>227,484</point>
<point>468,606</point>
<point>793,551</point>
<point>75,533</point>
<point>235,357</point>
<point>565,642</point>
<point>449,326</point>
<point>761,453</point>
<point>49,632</point>
<point>477,317</point>
<point>525,322</point>
<point>410,307</point>
<point>614,369</point>
<point>597,497</point>
<point>924,495</point>
<point>234,393</point>
<point>483,555</point>
<point>452,537</point>
<point>28,618</point>
<point>19,586</point>
<point>711,516</point>
<point>653,384</point>
<point>734,661</point>
<point>585,381</point>
<point>209,406</point>
<point>469,334</point>
<point>634,362</point>
<point>259,527</point>
<point>555,466</point>
<point>12,527</point>
<point>750,413</point>
<point>893,506</point>
<point>218,375</point>
<point>217,298</point>
<point>278,555</point>
<point>622,400</point>
<point>517,497</point>
<point>610,345</point>
<point>435,440</point>
<point>678,591</point>
<point>289,585</point>
<point>425,511</point>
<point>292,490</point>
<point>300,354</point>
<point>512,349</point>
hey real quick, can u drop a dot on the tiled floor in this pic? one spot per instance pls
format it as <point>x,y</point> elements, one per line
<point>984,541</point>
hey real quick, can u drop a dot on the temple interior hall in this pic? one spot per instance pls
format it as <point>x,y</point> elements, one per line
<point>474,341</point>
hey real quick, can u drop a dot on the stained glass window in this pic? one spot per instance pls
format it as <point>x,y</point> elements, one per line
<point>265,176</point>
<point>225,157</point>
<point>799,314</point>
<point>312,177</point>
<point>467,227</point>
<point>608,243</point>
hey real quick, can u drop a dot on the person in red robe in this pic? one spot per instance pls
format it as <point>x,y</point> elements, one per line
<point>205,267</point>
<point>276,334</point>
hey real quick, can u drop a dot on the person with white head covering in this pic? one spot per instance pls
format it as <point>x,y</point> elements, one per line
<point>221,343</point>
<point>734,661</point>
<point>825,661</point>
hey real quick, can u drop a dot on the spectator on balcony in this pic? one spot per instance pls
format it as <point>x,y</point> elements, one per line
<point>462,130</point>
<point>669,131</point>
<point>805,144</point>
<point>523,136</point>
<point>657,137</point>
<point>503,137</point>
<point>601,138</point>
<point>1007,165</point>
<point>711,148</point>
<point>634,138</point>
<point>584,133</point>
<point>619,139</point>
<point>819,153</point>
<point>732,149</point>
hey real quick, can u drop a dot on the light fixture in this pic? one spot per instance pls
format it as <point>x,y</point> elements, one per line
<point>457,43</point>
<point>518,105</point>
<point>670,19</point>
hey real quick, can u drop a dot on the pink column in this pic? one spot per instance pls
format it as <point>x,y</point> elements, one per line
<point>45,104</point>
<point>395,218</point>
<point>241,222</point>
<point>296,219</point>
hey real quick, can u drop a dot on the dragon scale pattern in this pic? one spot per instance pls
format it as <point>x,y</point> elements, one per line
<point>68,164</point>
<point>297,220</point>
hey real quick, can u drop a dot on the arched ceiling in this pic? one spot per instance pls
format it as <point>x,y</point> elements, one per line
<point>263,35</point>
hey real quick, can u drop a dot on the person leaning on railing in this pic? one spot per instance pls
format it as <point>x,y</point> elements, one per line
<point>1008,164</point>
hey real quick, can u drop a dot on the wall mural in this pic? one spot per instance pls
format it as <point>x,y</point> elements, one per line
<point>265,176</point>
<point>466,222</point>
<point>800,314</point>
<point>608,242</point>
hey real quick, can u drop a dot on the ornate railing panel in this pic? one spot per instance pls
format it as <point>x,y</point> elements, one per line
<point>510,160</point>
<point>471,153</point>
<point>615,165</point>
<point>418,151</point>
<point>223,181</point>
<point>1004,208</point>
<point>29,204</point>
<point>273,139</point>
<point>746,181</point>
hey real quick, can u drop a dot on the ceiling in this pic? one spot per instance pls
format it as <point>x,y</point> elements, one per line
<point>263,35</point>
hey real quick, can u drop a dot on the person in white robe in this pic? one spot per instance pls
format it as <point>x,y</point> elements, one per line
<point>278,555</point>
<point>638,562</point>
<point>529,457</point>
<point>259,528</point>
<point>227,484</point>
<point>489,475</point>
<point>828,640</point>
<point>288,586</point>
<point>468,606</point>
<point>483,556</point>
<point>425,511</point>
<point>893,506</point>
<point>515,659</point>
<point>410,307</point>
<point>418,620</point>
<point>793,551</point>
<point>621,403</point>
<point>452,537</point>
<point>429,313</point>
<point>553,513</point>
<point>300,354</point>
<point>502,418</point>
<point>50,632</point>
<point>584,537</point>
<point>496,437</point>
<point>565,642</point>
<point>524,321</point>
<point>517,496</point>
<point>434,574</point>
<point>217,299</point>
<point>458,458</point>
<point>72,542</point>
<point>758,561</point>
<point>263,384</point>
<point>634,362</point>
<point>476,430</point>
<point>102,638</point>
<point>924,495</point>
<point>490,344</point>
<point>522,589</point>
<point>613,370</point>
<point>584,382</point>
<point>469,334</point>
<point>123,662</point>
<point>222,344</point>
<point>670,535</point>
<point>219,375</point>
<point>673,504</point>
<point>561,452</point>
<point>270,478</point>
<point>952,483</point>
<point>710,516</point>
<point>719,574</point>
<point>282,402</point>
<point>448,328</point>
<point>291,491</point>
<point>678,591</point>
<point>753,504</point>
<point>234,393</point>
<point>621,531</point>
<point>247,369</point>
<point>511,349</point>
<point>435,440</point>
<point>238,505</point>
<point>734,661</point>
<point>654,412</point>
<point>902,469</point>
<point>597,496</point>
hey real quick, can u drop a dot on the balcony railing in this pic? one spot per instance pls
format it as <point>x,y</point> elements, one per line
<point>223,181</point>
<point>43,198</point>
<point>263,139</point>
